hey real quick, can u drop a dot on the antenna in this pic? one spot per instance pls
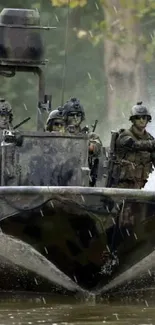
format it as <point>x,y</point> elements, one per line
<point>66,55</point>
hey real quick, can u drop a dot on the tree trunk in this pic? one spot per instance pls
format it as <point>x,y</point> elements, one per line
<point>123,61</point>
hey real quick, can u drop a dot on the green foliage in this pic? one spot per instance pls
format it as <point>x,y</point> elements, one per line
<point>73,3</point>
<point>85,54</point>
<point>84,73</point>
<point>143,12</point>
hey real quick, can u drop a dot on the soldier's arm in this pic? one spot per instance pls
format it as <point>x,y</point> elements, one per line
<point>126,141</point>
<point>95,144</point>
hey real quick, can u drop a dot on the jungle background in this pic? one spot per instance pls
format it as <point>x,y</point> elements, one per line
<point>110,59</point>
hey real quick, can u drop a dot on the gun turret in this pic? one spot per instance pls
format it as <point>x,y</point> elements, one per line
<point>28,56</point>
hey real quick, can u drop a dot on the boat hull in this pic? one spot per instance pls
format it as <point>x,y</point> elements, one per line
<point>86,242</point>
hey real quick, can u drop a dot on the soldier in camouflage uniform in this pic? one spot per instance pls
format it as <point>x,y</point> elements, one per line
<point>55,121</point>
<point>135,151</point>
<point>74,115</point>
<point>6,115</point>
<point>94,152</point>
<point>135,156</point>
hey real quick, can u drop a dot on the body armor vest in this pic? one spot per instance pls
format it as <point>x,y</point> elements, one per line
<point>130,166</point>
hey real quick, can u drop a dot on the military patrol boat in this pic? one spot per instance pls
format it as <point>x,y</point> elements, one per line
<point>45,196</point>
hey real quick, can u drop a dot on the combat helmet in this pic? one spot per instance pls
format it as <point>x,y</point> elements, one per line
<point>73,105</point>
<point>6,109</point>
<point>139,110</point>
<point>56,114</point>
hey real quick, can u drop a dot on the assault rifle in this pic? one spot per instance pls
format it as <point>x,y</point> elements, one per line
<point>94,125</point>
<point>93,163</point>
<point>21,123</point>
<point>111,158</point>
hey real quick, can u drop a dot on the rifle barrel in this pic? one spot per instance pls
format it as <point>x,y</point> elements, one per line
<point>22,122</point>
<point>94,126</point>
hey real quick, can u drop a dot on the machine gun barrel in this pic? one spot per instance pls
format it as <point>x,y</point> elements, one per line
<point>21,123</point>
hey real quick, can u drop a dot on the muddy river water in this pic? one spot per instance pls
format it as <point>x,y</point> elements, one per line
<point>70,310</point>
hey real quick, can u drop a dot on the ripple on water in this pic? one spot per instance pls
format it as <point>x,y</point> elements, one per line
<point>76,313</point>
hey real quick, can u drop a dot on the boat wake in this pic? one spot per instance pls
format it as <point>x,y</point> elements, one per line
<point>144,268</point>
<point>24,255</point>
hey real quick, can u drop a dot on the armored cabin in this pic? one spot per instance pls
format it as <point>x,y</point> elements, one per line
<point>41,158</point>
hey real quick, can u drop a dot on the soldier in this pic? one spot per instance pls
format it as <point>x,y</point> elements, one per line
<point>135,151</point>
<point>55,121</point>
<point>74,115</point>
<point>6,115</point>
<point>134,157</point>
<point>94,152</point>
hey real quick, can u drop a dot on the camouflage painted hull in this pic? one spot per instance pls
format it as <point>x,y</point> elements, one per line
<point>74,241</point>
<point>83,238</point>
<point>46,202</point>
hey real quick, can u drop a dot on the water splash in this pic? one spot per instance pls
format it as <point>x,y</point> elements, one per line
<point>24,255</point>
<point>137,270</point>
